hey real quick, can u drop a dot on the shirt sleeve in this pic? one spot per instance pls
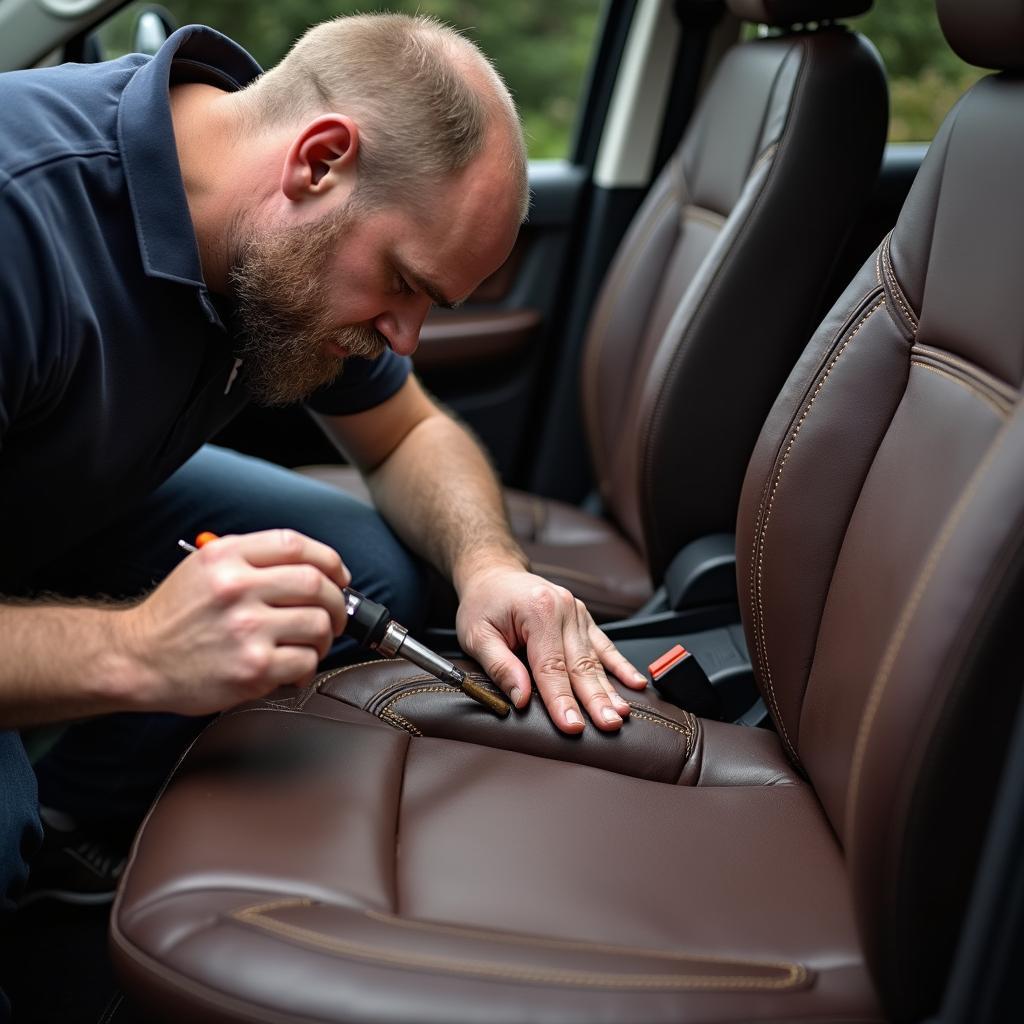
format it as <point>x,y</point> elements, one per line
<point>29,284</point>
<point>363,384</point>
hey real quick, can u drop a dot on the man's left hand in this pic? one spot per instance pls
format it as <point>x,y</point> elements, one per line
<point>504,609</point>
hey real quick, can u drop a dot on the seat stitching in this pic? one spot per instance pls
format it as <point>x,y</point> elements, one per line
<point>305,698</point>
<point>794,974</point>
<point>393,718</point>
<point>516,939</point>
<point>895,645</point>
<point>687,727</point>
<point>999,388</point>
<point>894,286</point>
<point>685,733</point>
<point>422,677</point>
<point>700,213</point>
<point>642,712</point>
<point>1002,412</point>
<point>328,676</point>
<point>760,632</point>
<point>766,154</point>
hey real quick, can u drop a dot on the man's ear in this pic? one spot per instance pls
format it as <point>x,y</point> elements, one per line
<point>321,157</point>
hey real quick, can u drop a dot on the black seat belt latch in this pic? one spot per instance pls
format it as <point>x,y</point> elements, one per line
<point>679,679</point>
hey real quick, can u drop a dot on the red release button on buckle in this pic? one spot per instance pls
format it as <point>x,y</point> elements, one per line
<point>667,661</point>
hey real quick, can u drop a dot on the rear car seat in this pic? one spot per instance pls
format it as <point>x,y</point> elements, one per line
<point>312,860</point>
<point>715,287</point>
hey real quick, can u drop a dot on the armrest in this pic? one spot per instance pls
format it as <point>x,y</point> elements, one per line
<point>703,573</point>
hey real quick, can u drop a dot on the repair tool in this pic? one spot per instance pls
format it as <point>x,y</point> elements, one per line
<point>372,625</point>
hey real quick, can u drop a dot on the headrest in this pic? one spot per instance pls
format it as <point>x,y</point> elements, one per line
<point>988,33</point>
<point>792,12</point>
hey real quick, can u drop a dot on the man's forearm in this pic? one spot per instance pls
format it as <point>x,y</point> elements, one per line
<point>441,496</point>
<point>59,662</point>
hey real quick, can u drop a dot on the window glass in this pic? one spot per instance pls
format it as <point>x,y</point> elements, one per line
<point>925,76</point>
<point>542,49</point>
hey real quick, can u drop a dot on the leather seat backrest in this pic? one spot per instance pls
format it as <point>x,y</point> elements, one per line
<point>719,279</point>
<point>881,541</point>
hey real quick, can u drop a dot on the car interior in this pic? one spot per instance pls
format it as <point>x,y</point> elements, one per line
<point>752,380</point>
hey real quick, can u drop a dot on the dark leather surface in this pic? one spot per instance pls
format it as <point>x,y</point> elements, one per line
<point>658,741</point>
<point>716,286</point>
<point>988,33</point>
<point>792,12</point>
<point>464,339</point>
<point>879,519</point>
<point>467,922</point>
<point>585,554</point>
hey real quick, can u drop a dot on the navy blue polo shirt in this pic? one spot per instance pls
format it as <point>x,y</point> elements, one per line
<point>115,366</point>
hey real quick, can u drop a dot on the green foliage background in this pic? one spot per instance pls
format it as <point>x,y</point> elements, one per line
<point>925,76</point>
<point>543,47</point>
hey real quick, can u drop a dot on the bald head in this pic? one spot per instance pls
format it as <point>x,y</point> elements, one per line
<point>428,103</point>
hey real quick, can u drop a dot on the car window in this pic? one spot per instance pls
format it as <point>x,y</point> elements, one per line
<point>541,49</point>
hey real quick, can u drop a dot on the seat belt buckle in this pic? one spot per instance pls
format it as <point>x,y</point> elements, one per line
<point>679,679</point>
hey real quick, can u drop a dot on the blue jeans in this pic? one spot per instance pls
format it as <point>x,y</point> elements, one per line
<point>107,770</point>
<point>20,831</point>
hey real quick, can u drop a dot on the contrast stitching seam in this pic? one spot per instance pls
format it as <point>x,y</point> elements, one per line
<point>757,555</point>
<point>765,156</point>
<point>639,711</point>
<point>794,974</point>
<point>305,698</point>
<point>896,642</point>
<point>393,718</point>
<point>328,676</point>
<point>999,388</point>
<point>513,939</point>
<point>894,286</point>
<point>420,689</point>
<point>710,217</point>
<point>972,389</point>
<point>666,725</point>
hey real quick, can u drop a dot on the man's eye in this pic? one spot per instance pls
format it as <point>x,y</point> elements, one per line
<point>402,286</point>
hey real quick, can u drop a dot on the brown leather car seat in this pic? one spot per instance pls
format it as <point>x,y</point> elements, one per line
<point>722,269</point>
<point>311,860</point>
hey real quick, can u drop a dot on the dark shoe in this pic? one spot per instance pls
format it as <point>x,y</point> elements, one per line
<point>75,865</point>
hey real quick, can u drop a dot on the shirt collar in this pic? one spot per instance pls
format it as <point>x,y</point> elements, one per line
<point>167,239</point>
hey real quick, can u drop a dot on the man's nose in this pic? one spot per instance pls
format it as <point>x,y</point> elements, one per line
<point>402,327</point>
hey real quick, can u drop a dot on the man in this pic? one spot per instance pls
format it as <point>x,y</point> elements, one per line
<point>181,236</point>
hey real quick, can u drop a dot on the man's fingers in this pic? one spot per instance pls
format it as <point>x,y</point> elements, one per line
<point>586,674</point>
<point>500,663</point>
<point>614,661</point>
<point>282,547</point>
<point>547,656</point>
<point>302,585</point>
<point>303,627</point>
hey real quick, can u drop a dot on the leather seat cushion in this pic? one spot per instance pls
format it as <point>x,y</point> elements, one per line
<point>308,862</point>
<point>658,741</point>
<point>581,552</point>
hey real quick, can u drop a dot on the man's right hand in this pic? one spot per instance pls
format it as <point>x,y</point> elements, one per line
<point>241,616</point>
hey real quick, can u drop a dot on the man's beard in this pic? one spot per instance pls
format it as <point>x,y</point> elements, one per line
<point>282,288</point>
